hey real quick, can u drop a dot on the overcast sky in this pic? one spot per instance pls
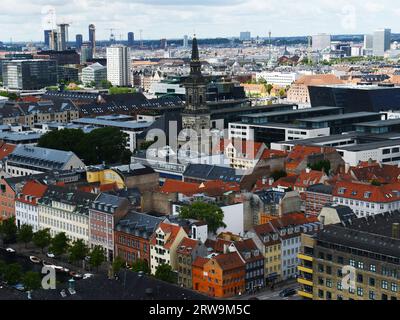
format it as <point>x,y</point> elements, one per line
<point>25,20</point>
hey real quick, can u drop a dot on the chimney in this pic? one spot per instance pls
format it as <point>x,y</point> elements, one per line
<point>396,231</point>
<point>308,170</point>
<point>264,181</point>
<point>347,168</point>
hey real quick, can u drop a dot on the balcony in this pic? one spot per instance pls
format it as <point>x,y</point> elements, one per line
<point>305,294</point>
<point>304,281</point>
<point>302,256</point>
<point>304,269</point>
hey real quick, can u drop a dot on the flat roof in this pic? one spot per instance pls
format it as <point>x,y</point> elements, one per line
<point>357,87</point>
<point>342,116</point>
<point>372,145</point>
<point>297,111</point>
<point>379,123</point>
<point>109,123</point>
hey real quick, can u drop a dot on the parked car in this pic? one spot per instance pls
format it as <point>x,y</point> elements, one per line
<point>288,292</point>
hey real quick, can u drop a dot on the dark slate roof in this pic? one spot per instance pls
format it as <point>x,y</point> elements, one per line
<point>139,224</point>
<point>210,172</point>
<point>320,188</point>
<point>110,199</point>
<point>81,199</point>
<point>135,288</point>
<point>371,234</point>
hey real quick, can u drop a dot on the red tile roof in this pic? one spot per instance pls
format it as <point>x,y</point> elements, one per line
<point>6,149</point>
<point>250,148</point>
<point>229,261</point>
<point>286,182</point>
<point>187,245</point>
<point>211,188</point>
<point>300,153</point>
<point>367,192</point>
<point>309,178</point>
<point>374,171</point>
<point>171,231</point>
<point>200,262</point>
<point>34,189</point>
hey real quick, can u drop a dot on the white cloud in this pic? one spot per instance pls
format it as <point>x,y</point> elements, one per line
<point>22,20</point>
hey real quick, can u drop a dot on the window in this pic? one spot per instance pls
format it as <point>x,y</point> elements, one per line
<point>372,295</point>
<point>372,268</point>
<point>393,287</point>
<point>360,292</point>
<point>385,284</point>
<point>372,282</point>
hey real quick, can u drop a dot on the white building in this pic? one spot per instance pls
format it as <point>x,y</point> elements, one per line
<point>381,42</point>
<point>321,42</point>
<point>281,79</point>
<point>26,205</point>
<point>94,74</point>
<point>245,36</point>
<point>119,65</point>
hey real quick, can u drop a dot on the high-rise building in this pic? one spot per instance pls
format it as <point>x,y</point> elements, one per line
<point>94,74</point>
<point>381,41</point>
<point>31,74</point>
<point>131,39</point>
<point>47,35</point>
<point>185,41</point>
<point>321,42</point>
<point>86,52</point>
<point>245,36</point>
<point>63,36</point>
<point>54,43</point>
<point>118,65</point>
<point>368,41</point>
<point>92,38</point>
<point>78,41</point>
<point>163,43</point>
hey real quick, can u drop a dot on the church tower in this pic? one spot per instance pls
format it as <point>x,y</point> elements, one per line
<point>196,115</point>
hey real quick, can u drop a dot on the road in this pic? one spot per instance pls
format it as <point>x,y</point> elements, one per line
<point>267,294</point>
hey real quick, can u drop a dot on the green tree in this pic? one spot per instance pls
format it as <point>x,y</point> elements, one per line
<point>42,238</point>
<point>78,251</point>
<point>66,139</point>
<point>122,90</point>
<point>59,244</point>
<point>278,174</point>
<point>25,234</point>
<point>164,273</point>
<point>321,165</point>
<point>141,265</point>
<point>376,183</point>
<point>3,267</point>
<point>207,212</point>
<point>31,281</point>
<point>13,273</point>
<point>106,84</point>
<point>118,264</point>
<point>8,230</point>
<point>96,257</point>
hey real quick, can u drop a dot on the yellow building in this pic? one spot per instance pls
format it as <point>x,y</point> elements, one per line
<point>106,176</point>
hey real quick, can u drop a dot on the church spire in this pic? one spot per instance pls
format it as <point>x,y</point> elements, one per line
<point>195,64</point>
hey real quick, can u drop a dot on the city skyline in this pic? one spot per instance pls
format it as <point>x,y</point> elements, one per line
<point>209,19</point>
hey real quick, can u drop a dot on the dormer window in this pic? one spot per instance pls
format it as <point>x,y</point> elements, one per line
<point>367,195</point>
<point>342,190</point>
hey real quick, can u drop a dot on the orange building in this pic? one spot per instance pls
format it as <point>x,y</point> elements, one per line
<point>220,276</point>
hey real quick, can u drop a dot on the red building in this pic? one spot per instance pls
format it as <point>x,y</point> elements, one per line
<point>132,237</point>
<point>317,197</point>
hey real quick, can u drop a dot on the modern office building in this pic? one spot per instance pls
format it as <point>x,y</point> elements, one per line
<point>94,74</point>
<point>86,52</point>
<point>381,42</point>
<point>118,65</point>
<point>29,74</point>
<point>131,39</point>
<point>185,41</point>
<point>66,57</point>
<point>47,35</point>
<point>371,98</point>
<point>63,36</point>
<point>368,245</point>
<point>321,41</point>
<point>92,38</point>
<point>54,40</point>
<point>245,36</point>
<point>78,41</point>
<point>281,79</point>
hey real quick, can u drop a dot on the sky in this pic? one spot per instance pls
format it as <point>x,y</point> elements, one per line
<point>25,20</point>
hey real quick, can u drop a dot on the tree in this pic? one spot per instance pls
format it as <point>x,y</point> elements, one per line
<point>66,139</point>
<point>118,90</point>
<point>106,84</point>
<point>278,174</point>
<point>96,257</point>
<point>31,281</point>
<point>8,230</point>
<point>25,234</point>
<point>376,183</point>
<point>321,165</point>
<point>141,265</point>
<point>3,267</point>
<point>78,251</point>
<point>118,264</point>
<point>164,273</point>
<point>13,273</point>
<point>59,244</point>
<point>209,213</point>
<point>42,238</point>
